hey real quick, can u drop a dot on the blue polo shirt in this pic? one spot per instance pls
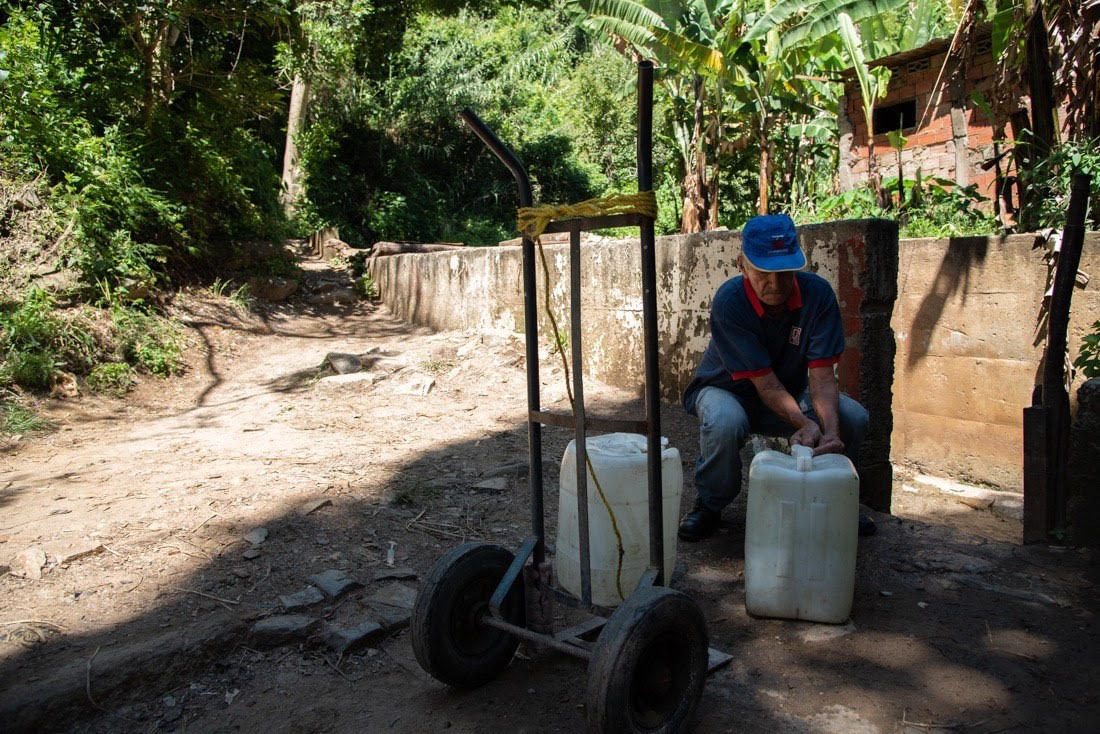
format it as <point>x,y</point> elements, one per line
<point>746,343</point>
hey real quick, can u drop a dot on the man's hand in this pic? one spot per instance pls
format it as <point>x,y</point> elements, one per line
<point>829,445</point>
<point>808,435</point>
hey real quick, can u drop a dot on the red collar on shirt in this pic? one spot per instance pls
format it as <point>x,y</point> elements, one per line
<point>793,301</point>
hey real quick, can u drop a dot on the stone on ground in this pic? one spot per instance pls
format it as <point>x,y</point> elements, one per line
<point>272,288</point>
<point>275,631</point>
<point>307,597</point>
<point>29,563</point>
<point>344,364</point>
<point>343,640</point>
<point>334,582</point>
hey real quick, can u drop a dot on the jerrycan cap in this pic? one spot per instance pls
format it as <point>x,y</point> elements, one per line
<point>621,444</point>
<point>803,457</point>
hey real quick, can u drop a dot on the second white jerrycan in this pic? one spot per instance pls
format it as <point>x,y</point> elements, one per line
<point>800,535</point>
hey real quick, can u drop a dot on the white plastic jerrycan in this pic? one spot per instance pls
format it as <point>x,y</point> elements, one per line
<point>619,460</point>
<point>800,535</point>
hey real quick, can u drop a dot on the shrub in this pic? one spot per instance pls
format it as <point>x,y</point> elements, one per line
<point>1088,358</point>
<point>16,417</point>
<point>1050,182</point>
<point>37,342</point>
<point>148,341</point>
<point>114,378</point>
<point>366,287</point>
<point>930,208</point>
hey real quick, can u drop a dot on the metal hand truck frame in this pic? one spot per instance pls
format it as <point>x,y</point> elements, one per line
<point>649,659</point>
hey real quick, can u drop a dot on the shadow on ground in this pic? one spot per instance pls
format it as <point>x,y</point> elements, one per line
<point>949,631</point>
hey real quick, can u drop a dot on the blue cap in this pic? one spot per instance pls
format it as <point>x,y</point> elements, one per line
<point>770,243</point>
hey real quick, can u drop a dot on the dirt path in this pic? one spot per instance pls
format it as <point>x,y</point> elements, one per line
<point>142,617</point>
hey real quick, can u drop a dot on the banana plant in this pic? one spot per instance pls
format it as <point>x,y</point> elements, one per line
<point>806,21</point>
<point>872,86</point>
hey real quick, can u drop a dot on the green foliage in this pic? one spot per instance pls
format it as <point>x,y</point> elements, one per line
<point>16,418</point>
<point>1053,176</point>
<point>365,287</point>
<point>931,208</point>
<point>148,341</point>
<point>1088,357</point>
<point>37,342</point>
<point>113,378</point>
<point>388,158</point>
<point>156,126</point>
<point>240,296</point>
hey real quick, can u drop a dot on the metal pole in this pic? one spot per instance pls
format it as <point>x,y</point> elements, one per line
<point>531,330</point>
<point>649,321</point>
<point>580,440</point>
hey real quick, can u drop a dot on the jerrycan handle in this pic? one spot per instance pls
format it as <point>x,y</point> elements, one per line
<point>803,457</point>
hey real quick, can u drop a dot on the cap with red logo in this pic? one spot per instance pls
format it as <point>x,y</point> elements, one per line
<point>770,243</point>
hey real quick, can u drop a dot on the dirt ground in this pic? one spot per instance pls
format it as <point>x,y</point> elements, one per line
<point>141,618</point>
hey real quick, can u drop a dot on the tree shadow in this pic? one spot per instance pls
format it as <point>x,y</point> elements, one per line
<point>953,277</point>
<point>973,634</point>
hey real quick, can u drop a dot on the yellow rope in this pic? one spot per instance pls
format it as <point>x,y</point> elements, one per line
<point>532,222</point>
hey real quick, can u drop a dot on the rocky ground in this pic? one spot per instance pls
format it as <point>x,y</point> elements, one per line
<point>237,550</point>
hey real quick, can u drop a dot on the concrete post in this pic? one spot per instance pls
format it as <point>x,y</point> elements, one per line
<point>860,259</point>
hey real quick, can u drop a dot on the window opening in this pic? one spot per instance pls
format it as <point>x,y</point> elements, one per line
<point>899,116</point>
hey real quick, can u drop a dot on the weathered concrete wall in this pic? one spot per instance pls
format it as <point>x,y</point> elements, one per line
<point>970,348</point>
<point>483,287</point>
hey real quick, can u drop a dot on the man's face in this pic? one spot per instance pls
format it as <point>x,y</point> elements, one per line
<point>773,289</point>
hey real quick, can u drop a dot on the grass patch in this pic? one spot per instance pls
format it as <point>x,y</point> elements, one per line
<point>112,378</point>
<point>365,287</point>
<point>239,296</point>
<point>437,366</point>
<point>38,341</point>
<point>16,418</point>
<point>148,341</point>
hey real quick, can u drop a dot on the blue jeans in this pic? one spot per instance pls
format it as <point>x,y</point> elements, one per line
<point>725,422</point>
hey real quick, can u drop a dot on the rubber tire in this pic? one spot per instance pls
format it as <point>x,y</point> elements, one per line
<point>448,642</point>
<point>655,624</point>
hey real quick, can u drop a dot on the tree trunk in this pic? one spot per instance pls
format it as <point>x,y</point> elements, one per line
<point>764,177</point>
<point>1040,81</point>
<point>712,190</point>
<point>291,185</point>
<point>695,178</point>
<point>1044,131</point>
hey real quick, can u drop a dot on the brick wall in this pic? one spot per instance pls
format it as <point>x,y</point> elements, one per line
<point>931,145</point>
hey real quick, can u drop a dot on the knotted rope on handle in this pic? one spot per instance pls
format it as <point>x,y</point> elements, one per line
<point>533,220</point>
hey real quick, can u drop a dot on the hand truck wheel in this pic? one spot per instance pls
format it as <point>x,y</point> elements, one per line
<point>448,637</point>
<point>649,665</point>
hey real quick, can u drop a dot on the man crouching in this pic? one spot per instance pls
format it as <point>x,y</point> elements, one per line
<point>776,336</point>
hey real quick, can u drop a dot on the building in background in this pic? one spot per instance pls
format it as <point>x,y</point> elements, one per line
<point>949,135</point>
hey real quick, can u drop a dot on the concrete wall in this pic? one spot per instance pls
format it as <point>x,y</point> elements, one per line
<point>482,287</point>
<point>970,348</point>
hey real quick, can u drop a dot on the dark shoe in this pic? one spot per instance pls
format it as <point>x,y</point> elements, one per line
<point>699,524</point>
<point>866,526</point>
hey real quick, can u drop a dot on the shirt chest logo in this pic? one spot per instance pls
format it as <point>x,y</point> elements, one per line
<point>796,335</point>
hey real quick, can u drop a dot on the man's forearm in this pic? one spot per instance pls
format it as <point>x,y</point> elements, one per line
<point>776,398</point>
<point>825,394</point>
